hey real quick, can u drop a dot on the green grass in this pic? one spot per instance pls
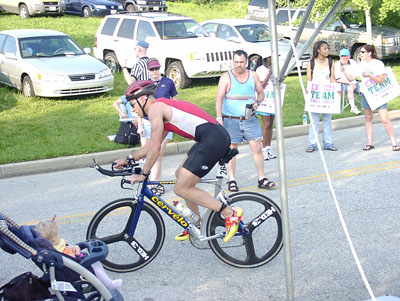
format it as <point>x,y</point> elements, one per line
<point>42,128</point>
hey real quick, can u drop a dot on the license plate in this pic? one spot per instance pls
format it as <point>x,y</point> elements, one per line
<point>155,8</point>
<point>113,11</point>
<point>51,8</point>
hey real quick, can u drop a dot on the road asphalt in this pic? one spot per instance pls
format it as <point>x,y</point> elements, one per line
<point>86,160</point>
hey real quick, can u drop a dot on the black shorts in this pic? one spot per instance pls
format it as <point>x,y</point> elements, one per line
<point>212,144</point>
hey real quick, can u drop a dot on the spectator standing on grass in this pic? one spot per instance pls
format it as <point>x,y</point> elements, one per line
<point>165,89</point>
<point>236,89</point>
<point>320,70</point>
<point>374,69</point>
<point>346,72</point>
<point>139,72</point>
<point>264,72</point>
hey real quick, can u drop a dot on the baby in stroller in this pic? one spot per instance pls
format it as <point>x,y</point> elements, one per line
<point>50,231</point>
<point>64,277</point>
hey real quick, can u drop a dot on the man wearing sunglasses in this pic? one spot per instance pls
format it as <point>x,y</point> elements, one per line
<point>188,121</point>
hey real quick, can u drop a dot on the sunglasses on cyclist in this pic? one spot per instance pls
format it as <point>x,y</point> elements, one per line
<point>152,69</point>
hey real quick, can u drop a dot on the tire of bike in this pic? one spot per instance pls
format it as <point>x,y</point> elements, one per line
<point>111,223</point>
<point>262,218</point>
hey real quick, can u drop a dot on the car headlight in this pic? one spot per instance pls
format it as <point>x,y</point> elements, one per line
<point>105,73</point>
<point>120,7</point>
<point>163,2</point>
<point>388,41</point>
<point>48,77</point>
<point>141,2</point>
<point>197,56</point>
<point>100,7</point>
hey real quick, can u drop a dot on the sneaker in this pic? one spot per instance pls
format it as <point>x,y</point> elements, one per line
<point>265,154</point>
<point>355,110</point>
<point>271,155</point>
<point>184,235</point>
<point>232,223</point>
<point>142,161</point>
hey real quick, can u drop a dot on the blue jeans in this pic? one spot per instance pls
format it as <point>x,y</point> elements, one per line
<point>326,131</point>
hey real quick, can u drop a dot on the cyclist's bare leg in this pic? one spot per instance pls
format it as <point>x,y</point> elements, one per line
<point>185,187</point>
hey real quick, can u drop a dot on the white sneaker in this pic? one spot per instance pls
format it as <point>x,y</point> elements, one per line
<point>271,155</point>
<point>265,154</point>
<point>355,110</point>
<point>142,161</point>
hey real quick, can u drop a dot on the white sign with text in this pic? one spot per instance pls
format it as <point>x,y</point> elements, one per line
<point>268,104</point>
<point>323,98</point>
<point>379,94</point>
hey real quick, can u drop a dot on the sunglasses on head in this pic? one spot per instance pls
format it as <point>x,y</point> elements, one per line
<point>156,68</point>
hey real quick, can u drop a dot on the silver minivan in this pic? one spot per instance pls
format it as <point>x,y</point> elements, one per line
<point>27,8</point>
<point>346,29</point>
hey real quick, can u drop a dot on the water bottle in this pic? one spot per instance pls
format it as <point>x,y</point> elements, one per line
<point>186,212</point>
<point>304,118</point>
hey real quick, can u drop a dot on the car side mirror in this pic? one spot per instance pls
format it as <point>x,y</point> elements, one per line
<point>87,50</point>
<point>10,55</point>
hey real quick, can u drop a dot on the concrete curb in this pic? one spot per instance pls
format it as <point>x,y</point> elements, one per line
<point>86,160</point>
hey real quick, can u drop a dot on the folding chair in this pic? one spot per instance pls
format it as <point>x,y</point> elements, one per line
<point>345,100</point>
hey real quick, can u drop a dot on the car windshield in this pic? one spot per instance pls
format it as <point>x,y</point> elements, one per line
<point>255,33</point>
<point>179,29</point>
<point>48,47</point>
<point>354,19</point>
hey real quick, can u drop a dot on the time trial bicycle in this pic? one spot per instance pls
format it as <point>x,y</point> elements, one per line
<point>134,229</point>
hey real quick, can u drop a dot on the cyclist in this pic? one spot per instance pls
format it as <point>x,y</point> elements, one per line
<point>189,121</point>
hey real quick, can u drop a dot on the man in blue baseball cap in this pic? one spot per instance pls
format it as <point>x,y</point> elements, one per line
<point>139,70</point>
<point>346,72</point>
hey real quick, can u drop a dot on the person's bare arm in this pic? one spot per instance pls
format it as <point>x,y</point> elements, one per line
<point>128,77</point>
<point>259,88</point>
<point>116,105</point>
<point>223,88</point>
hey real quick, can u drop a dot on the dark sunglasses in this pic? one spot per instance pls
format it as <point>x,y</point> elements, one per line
<point>362,51</point>
<point>152,69</point>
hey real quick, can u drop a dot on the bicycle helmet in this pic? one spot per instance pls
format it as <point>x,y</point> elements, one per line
<point>139,88</point>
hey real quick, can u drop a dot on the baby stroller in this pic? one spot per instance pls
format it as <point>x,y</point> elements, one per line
<point>64,277</point>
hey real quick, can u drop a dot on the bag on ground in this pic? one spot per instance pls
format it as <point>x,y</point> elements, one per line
<point>127,134</point>
<point>25,287</point>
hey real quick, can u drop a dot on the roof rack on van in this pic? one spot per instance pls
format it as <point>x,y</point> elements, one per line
<point>147,14</point>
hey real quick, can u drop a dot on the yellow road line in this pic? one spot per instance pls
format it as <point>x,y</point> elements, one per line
<point>341,174</point>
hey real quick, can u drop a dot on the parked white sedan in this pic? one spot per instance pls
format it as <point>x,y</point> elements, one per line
<point>49,63</point>
<point>254,37</point>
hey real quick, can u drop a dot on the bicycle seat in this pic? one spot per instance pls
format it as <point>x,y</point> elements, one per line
<point>232,152</point>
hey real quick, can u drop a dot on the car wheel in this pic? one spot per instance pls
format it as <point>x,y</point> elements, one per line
<point>254,62</point>
<point>111,61</point>
<point>27,87</point>
<point>23,11</point>
<point>131,8</point>
<point>87,13</point>
<point>178,75</point>
<point>356,54</point>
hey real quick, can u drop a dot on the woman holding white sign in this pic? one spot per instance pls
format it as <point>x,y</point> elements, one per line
<point>373,69</point>
<point>320,70</point>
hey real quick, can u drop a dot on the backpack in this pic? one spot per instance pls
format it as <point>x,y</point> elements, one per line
<point>127,134</point>
<point>25,287</point>
<point>312,64</point>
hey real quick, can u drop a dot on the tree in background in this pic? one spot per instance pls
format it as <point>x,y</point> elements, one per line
<point>383,12</point>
